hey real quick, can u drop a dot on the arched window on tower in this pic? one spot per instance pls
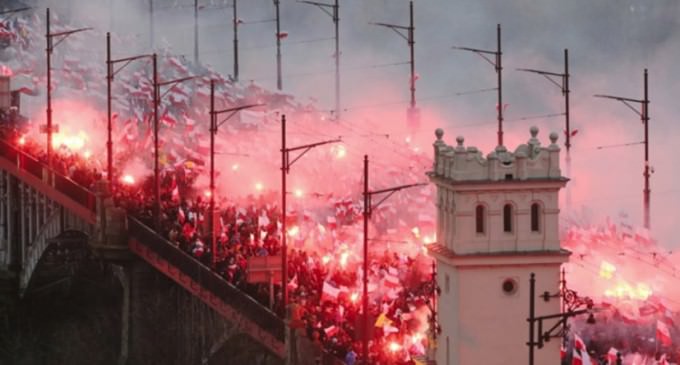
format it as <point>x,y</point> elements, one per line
<point>535,217</point>
<point>479,219</point>
<point>507,218</point>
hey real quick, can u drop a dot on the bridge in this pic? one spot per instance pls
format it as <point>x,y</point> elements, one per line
<point>49,225</point>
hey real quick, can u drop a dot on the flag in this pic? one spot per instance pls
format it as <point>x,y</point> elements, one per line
<point>563,352</point>
<point>576,358</point>
<point>611,356</point>
<point>663,334</point>
<point>647,310</point>
<point>293,284</point>
<point>382,321</point>
<point>662,360</point>
<point>329,291</point>
<point>578,343</point>
<point>331,331</point>
<point>391,281</point>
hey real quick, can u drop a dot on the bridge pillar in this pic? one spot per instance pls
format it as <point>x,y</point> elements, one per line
<point>23,191</point>
<point>137,280</point>
<point>10,220</point>
<point>4,242</point>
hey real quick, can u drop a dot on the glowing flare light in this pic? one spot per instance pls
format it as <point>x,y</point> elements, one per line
<point>624,290</point>
<point>127,180</point>
<point>607,270</point>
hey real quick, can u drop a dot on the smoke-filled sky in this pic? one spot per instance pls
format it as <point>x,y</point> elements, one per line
<point>610,43</point>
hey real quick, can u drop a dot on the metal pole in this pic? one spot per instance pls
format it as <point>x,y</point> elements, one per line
<point>336,21</point>
<point>235,40</point>
<point>645,120</point>
<point>196,32</point>
<point>151,25</point>
<point>109,141</point>
<point>499,69</point>
<point>213,131</point>
<point>284,248</point>
<point>49,90</point>
<point>156,157</point>
<point>367,213</point>
<point>411,44</point>
<point>434,300</point>
<point>532,292</point>
<point>279,82</point>
<point>567,142</point>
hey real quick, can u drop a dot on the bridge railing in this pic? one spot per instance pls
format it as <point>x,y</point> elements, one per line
<point>208,279</point>
<point>38,169</point>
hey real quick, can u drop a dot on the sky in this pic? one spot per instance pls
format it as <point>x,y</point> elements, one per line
<point>610,43</point>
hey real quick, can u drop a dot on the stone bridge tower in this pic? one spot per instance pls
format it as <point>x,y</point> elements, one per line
<point>497,223</point>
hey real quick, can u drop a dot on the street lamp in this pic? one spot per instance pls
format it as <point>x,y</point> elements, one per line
<point>498,66</point>
<point>279,81</point>
<point>110,74</point>
<point>572,306</point>
<point>563,84</point>
<point>409,36</point>
<point>156,163</point>
<point>368,210</point>
<point>286,164</point>
<point>644,116</point>
<point>214,125</point>
<point>334,13</point>
<point>61,36</point>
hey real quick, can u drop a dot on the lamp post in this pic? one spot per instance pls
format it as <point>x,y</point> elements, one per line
<point>333,10</point>
<point>498,66</point>
<point>236,22</point>
<point>644,116</point>
<point>110,74</point>
<point>279,81</point>
<point>61,36</point>
<point>286,164</point>
<point>563,84</point>
<point>214,125</point>
<point>368,210</point>
<point>156,163</point>
<point>151,25</point>
<point>408,33</point>
<point>572,306</point>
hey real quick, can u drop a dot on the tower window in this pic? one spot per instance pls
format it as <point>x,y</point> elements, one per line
<point>479,219</point>
<point>507,218</point>
<point>535,217</point>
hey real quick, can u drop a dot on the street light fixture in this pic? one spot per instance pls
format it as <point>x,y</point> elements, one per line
<point>156,163</point>
<point>332,10</point>
<point>644,116</point>
<point>286,164</point>
<point>409,36</point>
<point>214,125</point>
<point>61,36</point>
<point>563,84</point>
<point>279,81</point>
<point>368,210</point>
<point>110,74</point>
<point>498,66</point>
<point>572,305</point>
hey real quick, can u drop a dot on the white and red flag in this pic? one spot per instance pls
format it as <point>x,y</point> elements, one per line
<point>663,334</point>
<point>329,291</point>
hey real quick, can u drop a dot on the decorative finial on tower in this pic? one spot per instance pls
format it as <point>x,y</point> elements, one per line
<point>534,131</point>
<point>439,133</point>
<point>460,140</point>
<point>553,137</point>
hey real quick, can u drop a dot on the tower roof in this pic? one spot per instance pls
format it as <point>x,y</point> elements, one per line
<point>529,161</point>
